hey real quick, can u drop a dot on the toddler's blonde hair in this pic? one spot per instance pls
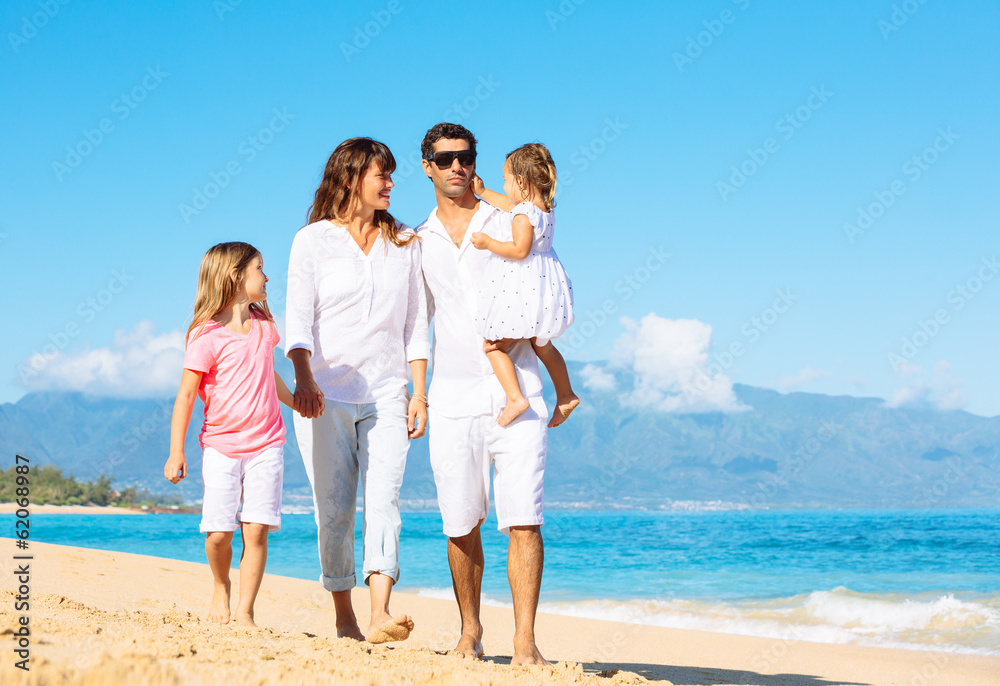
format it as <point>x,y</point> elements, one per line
<point>532,166</point>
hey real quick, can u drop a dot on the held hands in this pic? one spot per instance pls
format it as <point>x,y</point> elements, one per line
<point>176,463</point>
<point>308,399</point>
<point>416,416</point>
<point>480,241</point>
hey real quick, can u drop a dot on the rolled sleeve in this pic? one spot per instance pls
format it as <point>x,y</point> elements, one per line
<point>300,298</point>
<point>415,340</point>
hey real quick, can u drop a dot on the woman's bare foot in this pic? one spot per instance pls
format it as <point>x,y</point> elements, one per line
<point>218,611</point>
<point>385,628</point>
<point>351,630</point>
<point>511,410</point>
<point>468,648</point>
<point>564,406</point>
<point>526,653</point>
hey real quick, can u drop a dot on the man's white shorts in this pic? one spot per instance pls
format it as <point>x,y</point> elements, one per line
<point>462,451</point>
<point>252,482</point>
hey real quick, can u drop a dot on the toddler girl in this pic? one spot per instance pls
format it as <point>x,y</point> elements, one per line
<point>525,292</point>
<point>228,363</point>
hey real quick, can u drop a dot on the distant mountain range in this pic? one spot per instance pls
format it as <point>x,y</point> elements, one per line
<point>788,450</point>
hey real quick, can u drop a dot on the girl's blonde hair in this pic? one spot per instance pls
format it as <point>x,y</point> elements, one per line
<point>220,282</point>
<point>532,166</point>
<point>338,191</point>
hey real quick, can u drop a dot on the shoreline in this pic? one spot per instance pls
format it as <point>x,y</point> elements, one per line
<point>106,617</point>
<point>12,508</point>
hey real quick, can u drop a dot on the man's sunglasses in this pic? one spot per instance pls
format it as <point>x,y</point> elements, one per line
<point>443,160</point>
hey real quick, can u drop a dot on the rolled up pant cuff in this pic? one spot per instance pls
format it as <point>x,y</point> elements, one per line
<point>381,565</point>
<point>343,583</point>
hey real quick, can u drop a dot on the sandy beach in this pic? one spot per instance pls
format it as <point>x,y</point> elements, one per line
<point>101,617</point>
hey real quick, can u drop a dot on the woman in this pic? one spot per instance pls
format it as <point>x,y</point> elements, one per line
<point>355,316</point>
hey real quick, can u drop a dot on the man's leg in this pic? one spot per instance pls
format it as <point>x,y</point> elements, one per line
<point>519,469</point>
<point>465,558</point>
<point>525,558</point>
<point>462,477</point>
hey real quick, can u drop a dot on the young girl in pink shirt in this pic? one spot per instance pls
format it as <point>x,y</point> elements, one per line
<point>229,364</point>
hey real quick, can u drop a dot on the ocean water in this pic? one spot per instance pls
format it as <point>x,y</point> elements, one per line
<point>919,579</point>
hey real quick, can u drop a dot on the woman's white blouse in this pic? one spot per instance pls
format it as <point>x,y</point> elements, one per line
<point>363,317</point>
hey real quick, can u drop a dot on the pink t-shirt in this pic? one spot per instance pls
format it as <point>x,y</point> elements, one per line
<point>242,415</point>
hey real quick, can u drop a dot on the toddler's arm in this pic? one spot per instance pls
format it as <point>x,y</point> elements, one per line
<point>492,197</point>
<point>284,395</point>
<point>518,249</point>
<point>176,463</point>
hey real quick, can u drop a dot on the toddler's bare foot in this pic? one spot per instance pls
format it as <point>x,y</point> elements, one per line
<point>218,612</point>
<point>564,406</point>
<point>511,410</point>
<point>385,629</point>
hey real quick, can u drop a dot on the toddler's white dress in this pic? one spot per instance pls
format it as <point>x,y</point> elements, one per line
<point>529,298</point>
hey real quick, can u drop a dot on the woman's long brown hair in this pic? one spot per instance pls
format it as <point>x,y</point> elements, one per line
<point>337,193</point>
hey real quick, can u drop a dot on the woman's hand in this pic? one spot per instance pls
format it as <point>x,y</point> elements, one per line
<point>416,417</point>
<point>308,398</point>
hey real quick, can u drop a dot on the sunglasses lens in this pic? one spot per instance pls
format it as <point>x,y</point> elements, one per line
<point>443,160</point>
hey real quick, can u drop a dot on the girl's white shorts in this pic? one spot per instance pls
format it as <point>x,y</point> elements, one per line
<point>241,490</point>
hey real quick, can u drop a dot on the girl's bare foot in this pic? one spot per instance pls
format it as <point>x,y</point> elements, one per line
<point>245,619</point>
<point>564,406</point>
<point>385,629</point>
<point>511,410</point>
<point>218,612</point>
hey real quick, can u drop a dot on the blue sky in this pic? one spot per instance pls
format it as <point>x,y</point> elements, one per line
<point>812,183</point>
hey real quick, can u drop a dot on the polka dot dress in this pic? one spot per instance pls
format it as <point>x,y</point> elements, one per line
<point>525,298</point>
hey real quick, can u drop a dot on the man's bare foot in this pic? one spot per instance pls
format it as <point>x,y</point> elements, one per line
<point>385,629</point>
<point>526,653</point>
<point>351,630</point>
<point>245,619</point>
<point>564,406</point>
<point>511,410</point>
<point>469,647</point>
<point>218,611</point>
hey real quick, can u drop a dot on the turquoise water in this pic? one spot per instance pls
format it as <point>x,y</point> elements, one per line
<point>919,579</point>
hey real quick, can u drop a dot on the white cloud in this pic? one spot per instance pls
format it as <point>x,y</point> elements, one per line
<point>669,358</point>
<point>787,383</point>
<point>939,390</point>
<point>137,364</point>
<point>596,379</point>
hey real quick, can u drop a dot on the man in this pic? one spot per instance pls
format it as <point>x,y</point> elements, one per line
<point>465,399</point>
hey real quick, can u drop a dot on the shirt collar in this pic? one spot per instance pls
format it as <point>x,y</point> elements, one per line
<point>478,220</point>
